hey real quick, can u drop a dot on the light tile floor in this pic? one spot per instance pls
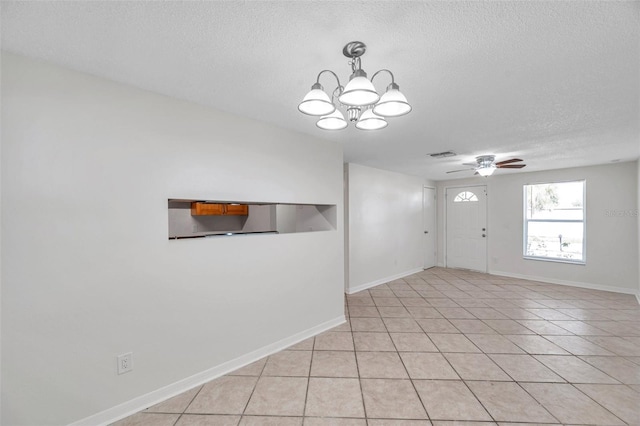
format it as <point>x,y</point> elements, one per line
<point>440,347</point>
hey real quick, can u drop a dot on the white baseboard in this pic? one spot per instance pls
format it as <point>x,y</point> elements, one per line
<point>365,286</point>
<point>144,401</point>
<point>638,298</point>
<point>567,282</point>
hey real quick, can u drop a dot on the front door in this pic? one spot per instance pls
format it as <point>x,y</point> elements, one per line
<point>429,225</point>
<point>467,228</point>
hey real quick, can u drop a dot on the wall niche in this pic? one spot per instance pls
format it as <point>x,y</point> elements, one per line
<point>207,218</point>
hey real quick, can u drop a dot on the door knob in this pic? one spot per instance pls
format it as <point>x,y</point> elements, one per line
<point>426,232</point>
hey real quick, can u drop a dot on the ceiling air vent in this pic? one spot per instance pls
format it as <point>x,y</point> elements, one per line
<point>443,154</point>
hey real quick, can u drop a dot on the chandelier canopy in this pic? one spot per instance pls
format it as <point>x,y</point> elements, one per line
<point>364,106</point>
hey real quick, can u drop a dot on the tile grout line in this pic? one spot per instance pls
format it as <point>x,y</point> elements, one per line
<point>355,356</point>
<point>189,404</point>
<point>306,395</point>
<point>253,389</point>
<point>603,407</point>
<point>603,372</point>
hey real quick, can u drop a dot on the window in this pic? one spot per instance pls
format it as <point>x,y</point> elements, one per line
<point>554,221</point>
<point>465,196</point>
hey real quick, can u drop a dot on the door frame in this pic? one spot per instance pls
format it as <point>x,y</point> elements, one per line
<point>444,230</point>
<point>435,227</point>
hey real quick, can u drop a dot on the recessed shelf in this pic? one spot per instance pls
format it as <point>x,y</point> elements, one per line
<point>222,218</point>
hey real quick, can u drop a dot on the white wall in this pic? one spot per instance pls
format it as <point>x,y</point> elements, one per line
<point>385,239</point>
<point>612,242</point>
<point>638,216</point>
<point>88,272</point>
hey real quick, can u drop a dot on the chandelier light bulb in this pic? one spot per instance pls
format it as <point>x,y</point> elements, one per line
<point>316,102</point>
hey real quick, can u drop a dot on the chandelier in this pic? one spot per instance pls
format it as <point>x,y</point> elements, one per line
<point>364,106</point>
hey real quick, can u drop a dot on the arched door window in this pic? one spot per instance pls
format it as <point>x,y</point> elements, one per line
<point>465,196</point>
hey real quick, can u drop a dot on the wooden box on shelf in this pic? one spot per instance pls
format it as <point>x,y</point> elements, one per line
<point>236,209</point>
<point>213,209</point>
<point>206,209</point>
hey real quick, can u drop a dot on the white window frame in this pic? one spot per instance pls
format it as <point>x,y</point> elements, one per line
<point>526,221</point>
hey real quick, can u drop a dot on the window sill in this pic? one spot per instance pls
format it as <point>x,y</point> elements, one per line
<point>554,260</point>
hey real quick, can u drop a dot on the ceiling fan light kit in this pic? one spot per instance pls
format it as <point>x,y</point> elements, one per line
<point>486,171</point>
<point>363,104</point>
<point>485,165</point>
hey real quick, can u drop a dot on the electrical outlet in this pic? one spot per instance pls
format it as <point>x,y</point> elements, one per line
<point>125,363</point>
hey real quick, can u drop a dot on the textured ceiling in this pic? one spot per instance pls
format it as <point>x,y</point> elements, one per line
<point>555,83</point>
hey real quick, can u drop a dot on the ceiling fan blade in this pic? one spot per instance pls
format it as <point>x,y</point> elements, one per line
<point>513,160</point>
<point>511,166</point>
<point>456,171</point>
<point>469,164</point>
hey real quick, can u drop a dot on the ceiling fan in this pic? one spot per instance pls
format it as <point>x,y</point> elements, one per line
<point>485,165</point>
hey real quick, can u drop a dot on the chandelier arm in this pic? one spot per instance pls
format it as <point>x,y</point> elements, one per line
<point>331,72</point>
<point>384,69</point>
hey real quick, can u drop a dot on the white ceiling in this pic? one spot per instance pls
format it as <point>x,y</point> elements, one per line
<point>555,83</point>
